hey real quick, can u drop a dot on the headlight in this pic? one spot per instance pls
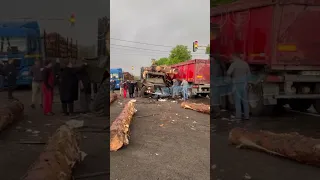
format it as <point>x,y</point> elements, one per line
<point>25,73</point>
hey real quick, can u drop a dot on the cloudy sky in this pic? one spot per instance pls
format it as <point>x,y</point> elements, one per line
<point>165,23</point>
<point>86,12</point>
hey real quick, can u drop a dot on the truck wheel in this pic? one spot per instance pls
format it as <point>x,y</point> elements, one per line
<point>300,105</point>
<point>255,100</point>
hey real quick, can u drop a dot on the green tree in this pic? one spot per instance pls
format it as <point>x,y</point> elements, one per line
<point>162,61</point>
<point>180,53</point>
<point>208,49</point>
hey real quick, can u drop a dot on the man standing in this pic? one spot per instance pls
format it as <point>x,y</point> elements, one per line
<point>11,72</point>
<point>175,88</point>
<point>239,71</point>
<point>68,89</point>
<point>121,87</point>
<point>85,88</point>
<point>1,75</point>
<point>131,89</point>
<point>36,73</point>
<point>185,86</point>
<point>112,85</point>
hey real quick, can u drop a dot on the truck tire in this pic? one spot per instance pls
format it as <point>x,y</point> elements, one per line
<point>143,94</point>
<point>102,98</point>
<point>300,105</point>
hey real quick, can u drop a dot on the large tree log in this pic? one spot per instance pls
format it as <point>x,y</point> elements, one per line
<point>203,108</point>
<point>293,145</point>
<point>9,113</point>
<point>59,157</point>
<point>119,130</point>
<point>113,97</point>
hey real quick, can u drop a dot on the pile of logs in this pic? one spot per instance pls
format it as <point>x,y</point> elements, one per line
<point>59,157</point>
<point>9,113</point>
<point>113,97</point>
<point>292,145</point>
<point>119,130</point>
<point>203,108</point>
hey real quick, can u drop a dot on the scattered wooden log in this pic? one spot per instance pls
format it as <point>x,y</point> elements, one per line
<point>9,113</point>
<point>119,130</point>
<point>113,97</point>
<point>203,108</point>
<point>59,157</point>
<point>289,145</point>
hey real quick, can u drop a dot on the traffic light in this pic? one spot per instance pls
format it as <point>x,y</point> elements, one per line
<point>72,19</point>
<point>195,46</point>
<point>132,67</point>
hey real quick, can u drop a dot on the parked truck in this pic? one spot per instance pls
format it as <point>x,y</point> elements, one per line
<point>197,73</point>
<point>280,41</point>
<point>24,42</point>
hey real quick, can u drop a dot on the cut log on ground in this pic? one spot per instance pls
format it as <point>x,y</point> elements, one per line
<point>59,157</point>
<point>203,108</point>
<point>9,113</point>
<point>293,145</point>
<point>113,97</point>
<point>119,130</point>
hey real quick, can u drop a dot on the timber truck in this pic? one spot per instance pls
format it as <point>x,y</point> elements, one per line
<point>24,42</point>
<point>280,41</point>
<point>197,73</point>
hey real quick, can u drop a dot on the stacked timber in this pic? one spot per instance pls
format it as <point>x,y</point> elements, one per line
<point>119,130</point>
<point>289,145</point>
<point>203,108</point>
<point>59,157</point>
<point>11,112</point>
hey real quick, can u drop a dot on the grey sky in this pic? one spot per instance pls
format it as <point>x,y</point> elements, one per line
<point>166,22</point>
<point>87,14</point>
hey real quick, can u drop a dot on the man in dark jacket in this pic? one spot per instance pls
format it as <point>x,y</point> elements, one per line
<point>131,89</point>
<point>68,89</point>
<point>85,88</point>
<point>11,72</point>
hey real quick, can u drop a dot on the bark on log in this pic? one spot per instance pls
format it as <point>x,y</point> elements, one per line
<point>292,145</point>
<point>59,157</point>
<point>203,108</point>
<point>10,113</point>
<point>113,97</point>
<point>119,130</point>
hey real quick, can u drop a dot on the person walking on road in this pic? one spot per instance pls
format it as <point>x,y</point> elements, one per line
<point>185,86</point>
<point>125,89</point>
<point>239,71</point>
<point>36,73</point>
<point>68,89</point>
<point>121,88</point>
<point>11,73</point>
<point>85,88</point>
<point>47,88</point>
<point>1,75</point>
<point>131,89</point>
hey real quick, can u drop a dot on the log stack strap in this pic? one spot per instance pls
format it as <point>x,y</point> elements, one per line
<point>292,145</point>
<point>203,108</point>
<point>59,157</point>
<point>119,130</point>
<point>10,113</point>
<point>113,97</point>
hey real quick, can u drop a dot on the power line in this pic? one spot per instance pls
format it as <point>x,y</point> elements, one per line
<point>159,53</point>
<point>137,42</point>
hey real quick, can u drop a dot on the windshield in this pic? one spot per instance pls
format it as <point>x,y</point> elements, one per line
<point>115,75</point>
<point>13,44</point>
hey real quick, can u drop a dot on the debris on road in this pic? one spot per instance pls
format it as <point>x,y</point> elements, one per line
<point>119,130</point>
<point>113,97</point>
<point>11,113</point>
<point>59,157</point>
<point>290,145</point>
<point>203,108</point>
<point>73,124</point>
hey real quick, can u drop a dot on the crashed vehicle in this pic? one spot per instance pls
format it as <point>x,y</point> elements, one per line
<point>156,80</point>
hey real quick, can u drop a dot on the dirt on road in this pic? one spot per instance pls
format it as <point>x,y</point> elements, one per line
<point>167,142</point>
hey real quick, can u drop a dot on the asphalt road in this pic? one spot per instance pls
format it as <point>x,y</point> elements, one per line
<point>173,144</point>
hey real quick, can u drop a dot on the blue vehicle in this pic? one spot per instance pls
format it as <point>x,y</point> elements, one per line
<point>20,41</point>
<point>117,75</point>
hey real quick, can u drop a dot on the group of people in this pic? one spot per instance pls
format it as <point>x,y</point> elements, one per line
<point>239,72</point>
<point>68,80</point>
<point>176,87</point>
<point>129,86</point>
